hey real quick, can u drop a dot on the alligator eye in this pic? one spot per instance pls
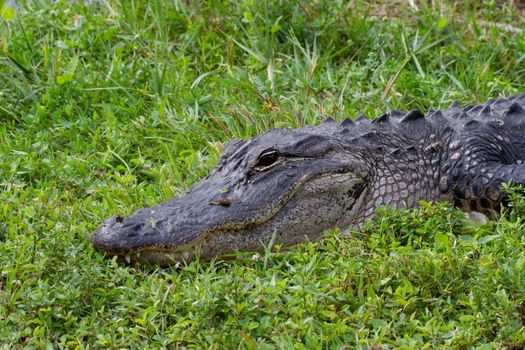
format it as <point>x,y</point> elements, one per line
<point>267,159</point>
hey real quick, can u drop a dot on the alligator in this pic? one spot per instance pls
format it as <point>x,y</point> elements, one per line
<point>288,186</point>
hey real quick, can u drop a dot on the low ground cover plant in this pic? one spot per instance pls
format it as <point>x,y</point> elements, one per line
<point>110,106</point>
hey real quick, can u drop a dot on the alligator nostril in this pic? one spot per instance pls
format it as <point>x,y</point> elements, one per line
<point>119,219</point>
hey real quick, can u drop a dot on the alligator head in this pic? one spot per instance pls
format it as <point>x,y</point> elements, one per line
<point>287,184</point>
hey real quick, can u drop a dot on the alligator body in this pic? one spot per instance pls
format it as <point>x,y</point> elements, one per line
<point>295,184</point>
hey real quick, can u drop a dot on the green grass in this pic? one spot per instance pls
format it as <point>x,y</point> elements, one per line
<point>108,108</point>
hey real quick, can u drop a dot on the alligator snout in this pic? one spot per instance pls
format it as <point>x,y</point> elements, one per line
<point>133,242</point>
<point>108,236</point>
<point>163,233</point>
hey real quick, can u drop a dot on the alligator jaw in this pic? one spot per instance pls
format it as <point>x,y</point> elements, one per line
<point>118,237</point>
<point>156,254</point>
<point>221,240</point>
<point>157,257</point>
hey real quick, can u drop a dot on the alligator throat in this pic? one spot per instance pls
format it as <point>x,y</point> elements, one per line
<point>290,185</point>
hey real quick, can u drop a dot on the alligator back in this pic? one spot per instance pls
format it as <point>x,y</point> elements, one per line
<point>462,154</point>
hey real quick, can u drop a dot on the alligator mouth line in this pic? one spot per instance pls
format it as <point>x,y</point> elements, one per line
<point>181,252</point>
<point>170,254</point>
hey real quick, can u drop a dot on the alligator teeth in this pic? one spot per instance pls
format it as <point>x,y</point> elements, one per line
<point>128,259</point>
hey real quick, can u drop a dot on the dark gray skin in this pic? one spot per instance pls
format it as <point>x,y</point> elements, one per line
<point>295,184</point>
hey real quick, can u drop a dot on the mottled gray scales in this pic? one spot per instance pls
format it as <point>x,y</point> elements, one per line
<point>294,184</point>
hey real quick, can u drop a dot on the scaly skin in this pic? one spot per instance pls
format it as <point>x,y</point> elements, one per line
<point>295,184</point>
